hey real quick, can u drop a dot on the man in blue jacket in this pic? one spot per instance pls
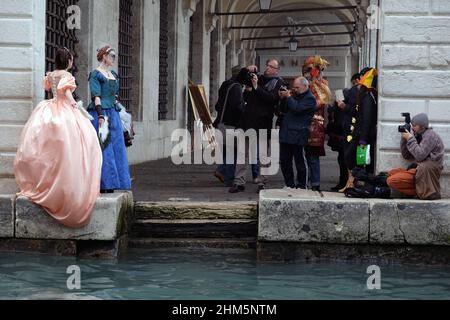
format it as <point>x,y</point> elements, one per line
<point>298,107</point>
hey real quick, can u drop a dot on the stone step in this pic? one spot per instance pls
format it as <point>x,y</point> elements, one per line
<point>196,210</point>
<point>194,228</point>
<point>219,243</point>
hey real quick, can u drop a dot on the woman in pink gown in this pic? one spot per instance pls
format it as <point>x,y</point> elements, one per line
<point>59,159</point>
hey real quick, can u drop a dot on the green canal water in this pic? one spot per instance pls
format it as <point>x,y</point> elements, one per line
<point>212,274</point>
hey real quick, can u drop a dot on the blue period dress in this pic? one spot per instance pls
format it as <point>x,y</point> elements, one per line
<point>115,169</point>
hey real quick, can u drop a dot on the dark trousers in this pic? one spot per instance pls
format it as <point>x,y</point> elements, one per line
<point>343,171</point>
<point>289,152</point>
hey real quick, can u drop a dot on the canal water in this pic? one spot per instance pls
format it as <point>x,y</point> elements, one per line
<point>191,274</point>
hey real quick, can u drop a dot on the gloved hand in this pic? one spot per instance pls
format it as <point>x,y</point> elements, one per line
<point>412,166</point>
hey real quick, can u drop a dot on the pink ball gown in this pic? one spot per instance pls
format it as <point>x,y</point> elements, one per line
<point>59,159</point>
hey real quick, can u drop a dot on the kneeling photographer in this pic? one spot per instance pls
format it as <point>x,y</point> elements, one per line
<point>424,146</point>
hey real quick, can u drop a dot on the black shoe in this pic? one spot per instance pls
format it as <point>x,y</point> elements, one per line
<point>219,176</point>
<point>337,187</point>
<point>236,189</point>
<point>107,191</point>
<point>260,187</point>
<point>316,188</point>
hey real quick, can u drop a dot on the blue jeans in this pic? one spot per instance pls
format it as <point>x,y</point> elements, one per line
<point>314,170</point>
<point>256,170</point>
<point>227,170</point>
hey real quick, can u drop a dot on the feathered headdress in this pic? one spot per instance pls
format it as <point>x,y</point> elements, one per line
<point>314,66</point>
<point>316,62</point>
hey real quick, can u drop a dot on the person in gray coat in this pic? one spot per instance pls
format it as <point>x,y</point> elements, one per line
<point>425,147</point>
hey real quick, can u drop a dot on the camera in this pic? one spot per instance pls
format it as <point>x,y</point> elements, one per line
<point>248,79</point>
<point>245,76</point>
<point>407,126</point>
<point>284,88</point>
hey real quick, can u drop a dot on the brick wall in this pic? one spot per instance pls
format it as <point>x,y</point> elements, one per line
<point>414,73</point>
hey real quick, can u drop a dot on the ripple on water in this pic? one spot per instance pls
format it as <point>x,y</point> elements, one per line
<point>212,274</point>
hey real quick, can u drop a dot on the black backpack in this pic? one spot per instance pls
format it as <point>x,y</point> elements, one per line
<point>368,185</point>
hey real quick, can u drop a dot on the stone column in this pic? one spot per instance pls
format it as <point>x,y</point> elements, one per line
<point>94,34</point>
<point>22,69</point>
<point>215,80</point>
<point>201,46</point>
<point>415,73</point>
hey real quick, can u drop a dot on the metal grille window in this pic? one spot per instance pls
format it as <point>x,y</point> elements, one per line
<point>57,33</point>
<point>163,58</point>
<point>125,52</point>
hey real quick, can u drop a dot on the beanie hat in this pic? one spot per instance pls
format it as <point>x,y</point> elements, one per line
<point>421,120</point>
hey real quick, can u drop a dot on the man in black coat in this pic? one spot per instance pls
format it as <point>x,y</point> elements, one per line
<point>266,92</point>
<point>261,97</point>
<point>229,107</point>
<point>298,109</point>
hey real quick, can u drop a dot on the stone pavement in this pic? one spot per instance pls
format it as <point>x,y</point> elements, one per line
<point>161,180</point>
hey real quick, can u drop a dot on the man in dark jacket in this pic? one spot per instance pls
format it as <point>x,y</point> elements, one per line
<point>298,108</point>
<point>266,91</point>
<point>229,107</point>
<point>365,127</point>
<point>261,97</point>
<point>340,124</point>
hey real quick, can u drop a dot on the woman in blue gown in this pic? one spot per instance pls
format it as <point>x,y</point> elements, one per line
<point>104,87</point>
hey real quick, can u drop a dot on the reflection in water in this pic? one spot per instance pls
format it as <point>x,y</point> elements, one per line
<point>212,274</point>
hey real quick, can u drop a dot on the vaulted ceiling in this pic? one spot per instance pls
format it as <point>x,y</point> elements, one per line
<point>357,15</point>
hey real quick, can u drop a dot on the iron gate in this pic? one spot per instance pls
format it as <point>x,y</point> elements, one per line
<point>163,57</point>
<point>125,52</point>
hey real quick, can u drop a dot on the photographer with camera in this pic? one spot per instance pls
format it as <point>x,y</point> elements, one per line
<point>229,107</point>
<point>261,97</point>
<point>298,107</point>
<point>424,146</point>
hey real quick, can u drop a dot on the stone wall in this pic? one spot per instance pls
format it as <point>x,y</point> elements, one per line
<point>22,64</point>
<point>415,73</point>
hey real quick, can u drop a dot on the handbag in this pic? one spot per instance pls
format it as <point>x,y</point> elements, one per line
<point>317,132</point>
<point>363,156</point>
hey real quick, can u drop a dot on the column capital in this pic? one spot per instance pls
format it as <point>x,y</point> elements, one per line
<point>226,37</point>
<point>211,22</point>
<point>189,7</point>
